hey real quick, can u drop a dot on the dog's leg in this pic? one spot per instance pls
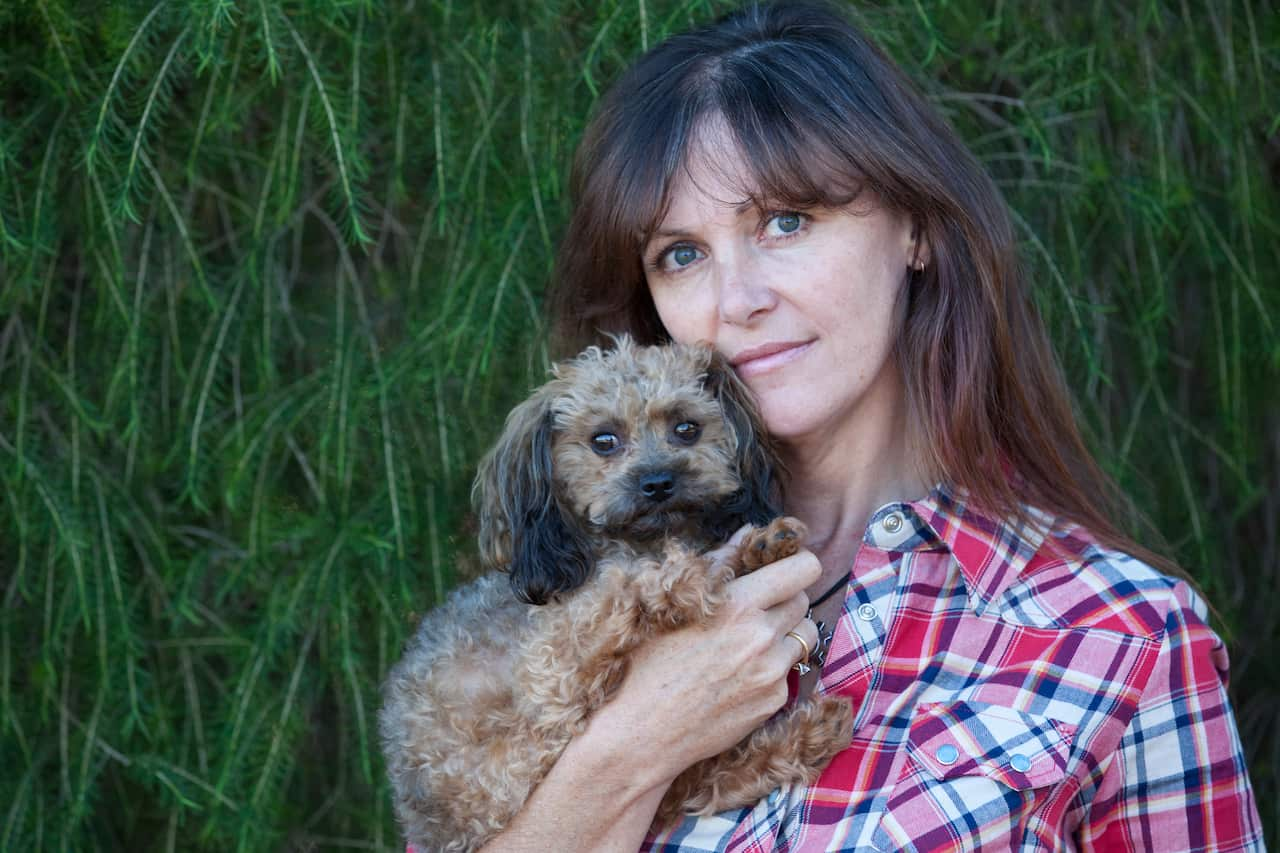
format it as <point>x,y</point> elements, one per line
<point>575,656</point>
<point>683,589</point>
<point>578,655</point>
<point>792,748</point>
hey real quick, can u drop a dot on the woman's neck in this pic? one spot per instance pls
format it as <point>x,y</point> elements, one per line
<point>837,481</point>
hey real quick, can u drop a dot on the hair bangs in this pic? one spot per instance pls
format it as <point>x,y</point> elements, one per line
<point>782,125</point>
<point>793,168</point>
<point>641,161</point>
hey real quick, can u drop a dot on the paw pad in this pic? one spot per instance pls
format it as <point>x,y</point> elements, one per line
<point>766,545</point>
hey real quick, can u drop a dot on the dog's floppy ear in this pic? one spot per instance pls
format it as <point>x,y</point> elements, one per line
<point>759,468</point>
<point>524,529</point>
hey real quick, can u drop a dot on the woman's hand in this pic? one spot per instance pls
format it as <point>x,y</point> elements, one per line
<point>688,695</point>
<point>694,693</point>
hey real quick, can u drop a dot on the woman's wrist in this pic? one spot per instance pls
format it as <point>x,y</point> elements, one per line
<point>613,752</point>
<point>600,795</point>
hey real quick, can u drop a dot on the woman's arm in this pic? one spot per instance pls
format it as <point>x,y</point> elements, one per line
<point>688,695</point>
<point>596,797</point>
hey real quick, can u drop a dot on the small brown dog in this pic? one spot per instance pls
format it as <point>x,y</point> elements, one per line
<point>597,504</point>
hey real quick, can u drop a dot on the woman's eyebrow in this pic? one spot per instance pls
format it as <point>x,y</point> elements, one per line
<point>685,231</point>
<point>672,232</point>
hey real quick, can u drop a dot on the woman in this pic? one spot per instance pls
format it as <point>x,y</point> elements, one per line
<point>1020,674</point>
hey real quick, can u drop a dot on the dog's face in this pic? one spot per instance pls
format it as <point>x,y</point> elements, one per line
<point>625,444</point>
<point>640,444</point>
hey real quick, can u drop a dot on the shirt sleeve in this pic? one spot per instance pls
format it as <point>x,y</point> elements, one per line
<point>1178,780</point>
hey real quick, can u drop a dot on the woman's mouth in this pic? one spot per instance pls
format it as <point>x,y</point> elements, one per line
<point>762,359</point>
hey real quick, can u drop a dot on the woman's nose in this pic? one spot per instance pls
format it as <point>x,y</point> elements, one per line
<point>744,294</point>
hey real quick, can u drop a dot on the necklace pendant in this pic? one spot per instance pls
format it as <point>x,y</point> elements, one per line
<point>819,655</point>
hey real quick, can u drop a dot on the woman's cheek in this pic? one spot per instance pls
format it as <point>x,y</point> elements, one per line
<point>687,320</point>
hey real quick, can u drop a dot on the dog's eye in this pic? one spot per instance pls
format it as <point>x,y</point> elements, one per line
<point>687,432</point>
<point>605,443</point>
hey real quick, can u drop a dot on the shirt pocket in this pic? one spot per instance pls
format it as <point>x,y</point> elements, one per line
<point>973,775</point>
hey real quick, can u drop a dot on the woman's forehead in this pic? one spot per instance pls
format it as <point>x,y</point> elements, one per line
<point>721,178</point>
<point>714,179</point>
<point>707,189</point>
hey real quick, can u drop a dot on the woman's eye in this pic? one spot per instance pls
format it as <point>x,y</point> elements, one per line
<point>687,432</point>
<point>605,443</point>
<point>682,256</point>
<point>787,222</point>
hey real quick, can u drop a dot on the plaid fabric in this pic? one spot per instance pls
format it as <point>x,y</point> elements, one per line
<point>1014,688</point>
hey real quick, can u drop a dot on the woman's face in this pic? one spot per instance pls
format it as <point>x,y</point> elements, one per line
<point>805,304</point>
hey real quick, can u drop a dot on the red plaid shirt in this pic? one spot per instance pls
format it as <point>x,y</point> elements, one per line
<point>1013,689</point>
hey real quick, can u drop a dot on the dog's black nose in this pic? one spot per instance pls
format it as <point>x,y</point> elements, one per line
<point>659,486</point>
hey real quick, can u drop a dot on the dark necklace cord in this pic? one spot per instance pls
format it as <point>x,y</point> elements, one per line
<point>819,655</point>
<point>840,583</point>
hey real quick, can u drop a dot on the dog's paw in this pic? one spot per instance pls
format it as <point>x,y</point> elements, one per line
<point>829,729</point>
<point>765,545</point>
<point>808,734</point>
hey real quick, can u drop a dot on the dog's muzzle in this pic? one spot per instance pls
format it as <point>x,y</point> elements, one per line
<point>657,486</point>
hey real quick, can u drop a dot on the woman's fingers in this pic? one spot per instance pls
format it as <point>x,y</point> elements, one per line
<point>731,669</point>
<point>778,582</point>
<point>800,641</point>
<point>726,550</point>
<point>787,615</point>
<point>807,632</point>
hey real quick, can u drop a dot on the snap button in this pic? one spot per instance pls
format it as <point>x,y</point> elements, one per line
<point>892,523</point>
<point>1020,762</point>
<point>947,754</point>
<point>866,612</point>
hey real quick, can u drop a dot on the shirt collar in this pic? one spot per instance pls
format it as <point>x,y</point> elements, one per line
<point>990,551</point>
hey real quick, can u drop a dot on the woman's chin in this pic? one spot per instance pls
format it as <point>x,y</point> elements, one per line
<point>787,418</point>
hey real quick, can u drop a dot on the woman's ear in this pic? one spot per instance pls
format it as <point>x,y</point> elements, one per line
<point>918,253</point>
<point>524,528</point>
<point>759,499</point>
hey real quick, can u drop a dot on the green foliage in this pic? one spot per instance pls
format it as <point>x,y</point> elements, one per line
<point>271,275</point>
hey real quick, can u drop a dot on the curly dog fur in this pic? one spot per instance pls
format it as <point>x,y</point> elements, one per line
<point>596,506</point>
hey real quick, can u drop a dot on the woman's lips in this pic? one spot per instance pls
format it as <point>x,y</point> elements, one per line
<point>762,359</point>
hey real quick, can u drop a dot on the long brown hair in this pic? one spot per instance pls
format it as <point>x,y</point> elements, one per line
<point>821,114</point>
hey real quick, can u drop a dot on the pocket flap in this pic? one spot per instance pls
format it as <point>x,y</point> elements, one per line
<point>1015,748</point>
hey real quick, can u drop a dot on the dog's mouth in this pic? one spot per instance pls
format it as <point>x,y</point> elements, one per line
<point>647,520</point>
<point>662,519</point>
